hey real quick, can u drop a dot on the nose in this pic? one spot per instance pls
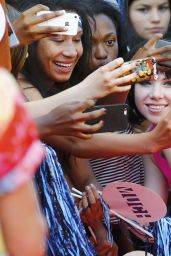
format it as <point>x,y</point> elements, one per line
<point>70,50</point>
<point>100,52</point>
<point>155,16</point>
<point>156,92</point>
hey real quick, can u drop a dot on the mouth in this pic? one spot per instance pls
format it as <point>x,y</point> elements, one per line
<point>155,30</point>
<point>156,108</point>
<point>64,67</point>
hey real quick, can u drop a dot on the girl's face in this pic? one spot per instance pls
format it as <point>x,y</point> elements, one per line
<point>149,17</point>
<point>104,42</point>
<point>58,55</point>
<point>152,98</point>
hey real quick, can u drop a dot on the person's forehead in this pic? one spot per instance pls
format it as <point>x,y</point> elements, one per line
<point>104,22</point>
<point>149,2</point>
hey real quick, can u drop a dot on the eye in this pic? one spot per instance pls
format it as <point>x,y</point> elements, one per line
<point>143,9</point>
<point>164,8</point>
<point>110,42</point>
<point>145,83</point>
<point>57,39</point>
<point>77,39</point>
<point>167,84</point>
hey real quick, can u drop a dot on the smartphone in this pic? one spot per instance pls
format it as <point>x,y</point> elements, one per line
<point>146,69</point>
<point>160,44</point>
<point>68,20</point>
<point>115,119</point>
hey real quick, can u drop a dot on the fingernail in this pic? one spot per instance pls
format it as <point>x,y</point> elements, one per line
<point>60,11</point>
<point>104,109</point>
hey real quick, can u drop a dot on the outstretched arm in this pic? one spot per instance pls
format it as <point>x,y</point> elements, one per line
<point>47,112</point>
<point>27,27</point>
<point>154,178</point>
<point>113,144</point>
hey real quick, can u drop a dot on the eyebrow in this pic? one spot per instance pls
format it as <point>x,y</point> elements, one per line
<point>149,5</point>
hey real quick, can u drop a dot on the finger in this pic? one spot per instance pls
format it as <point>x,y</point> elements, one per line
<point>145,51</point>
<point>95,192</point>
<point>163,58</point>
<point>82,135</point>
<point>90,195</point>
<point>140,54</point>
<point>83,105</point>
<point>35,9</point>
<point>124,80</point>
<point>97,209</point>
<point>152,41</point>
<point>88,215</point>
<point>80,204</point>
<point>84,201</point>
<point>163,68</point>
<point>161,50</point>
<point>48,16</point>
<point>85,128</point>
<point>80,105</point>
<point>124,69</point>
<point>112,65</point>
<point>46,31</point>
<point>121,88</point>
<point>87,116</point>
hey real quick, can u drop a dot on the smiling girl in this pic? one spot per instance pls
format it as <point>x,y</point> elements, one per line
<point>151,100</point>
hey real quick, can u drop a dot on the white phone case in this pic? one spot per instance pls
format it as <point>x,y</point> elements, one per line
<point>69,20</point>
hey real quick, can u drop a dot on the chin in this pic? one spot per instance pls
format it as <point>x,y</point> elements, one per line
<point>155,120</point>
<point>62,78</point>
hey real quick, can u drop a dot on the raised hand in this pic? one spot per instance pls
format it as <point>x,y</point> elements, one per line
<point>92,214</point>
<point>27,26</point>
<point>92,211</point>
<point>69,119</point>
<point>149,50</point>
<point>108,79</point>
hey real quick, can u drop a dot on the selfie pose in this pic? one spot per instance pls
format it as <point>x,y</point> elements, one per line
<point>57,59</point>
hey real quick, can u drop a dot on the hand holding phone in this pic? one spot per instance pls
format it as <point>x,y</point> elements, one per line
<point>68,20</point>
<point>165,51</point>
<point>115,119</point>
<point>146,69</point>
